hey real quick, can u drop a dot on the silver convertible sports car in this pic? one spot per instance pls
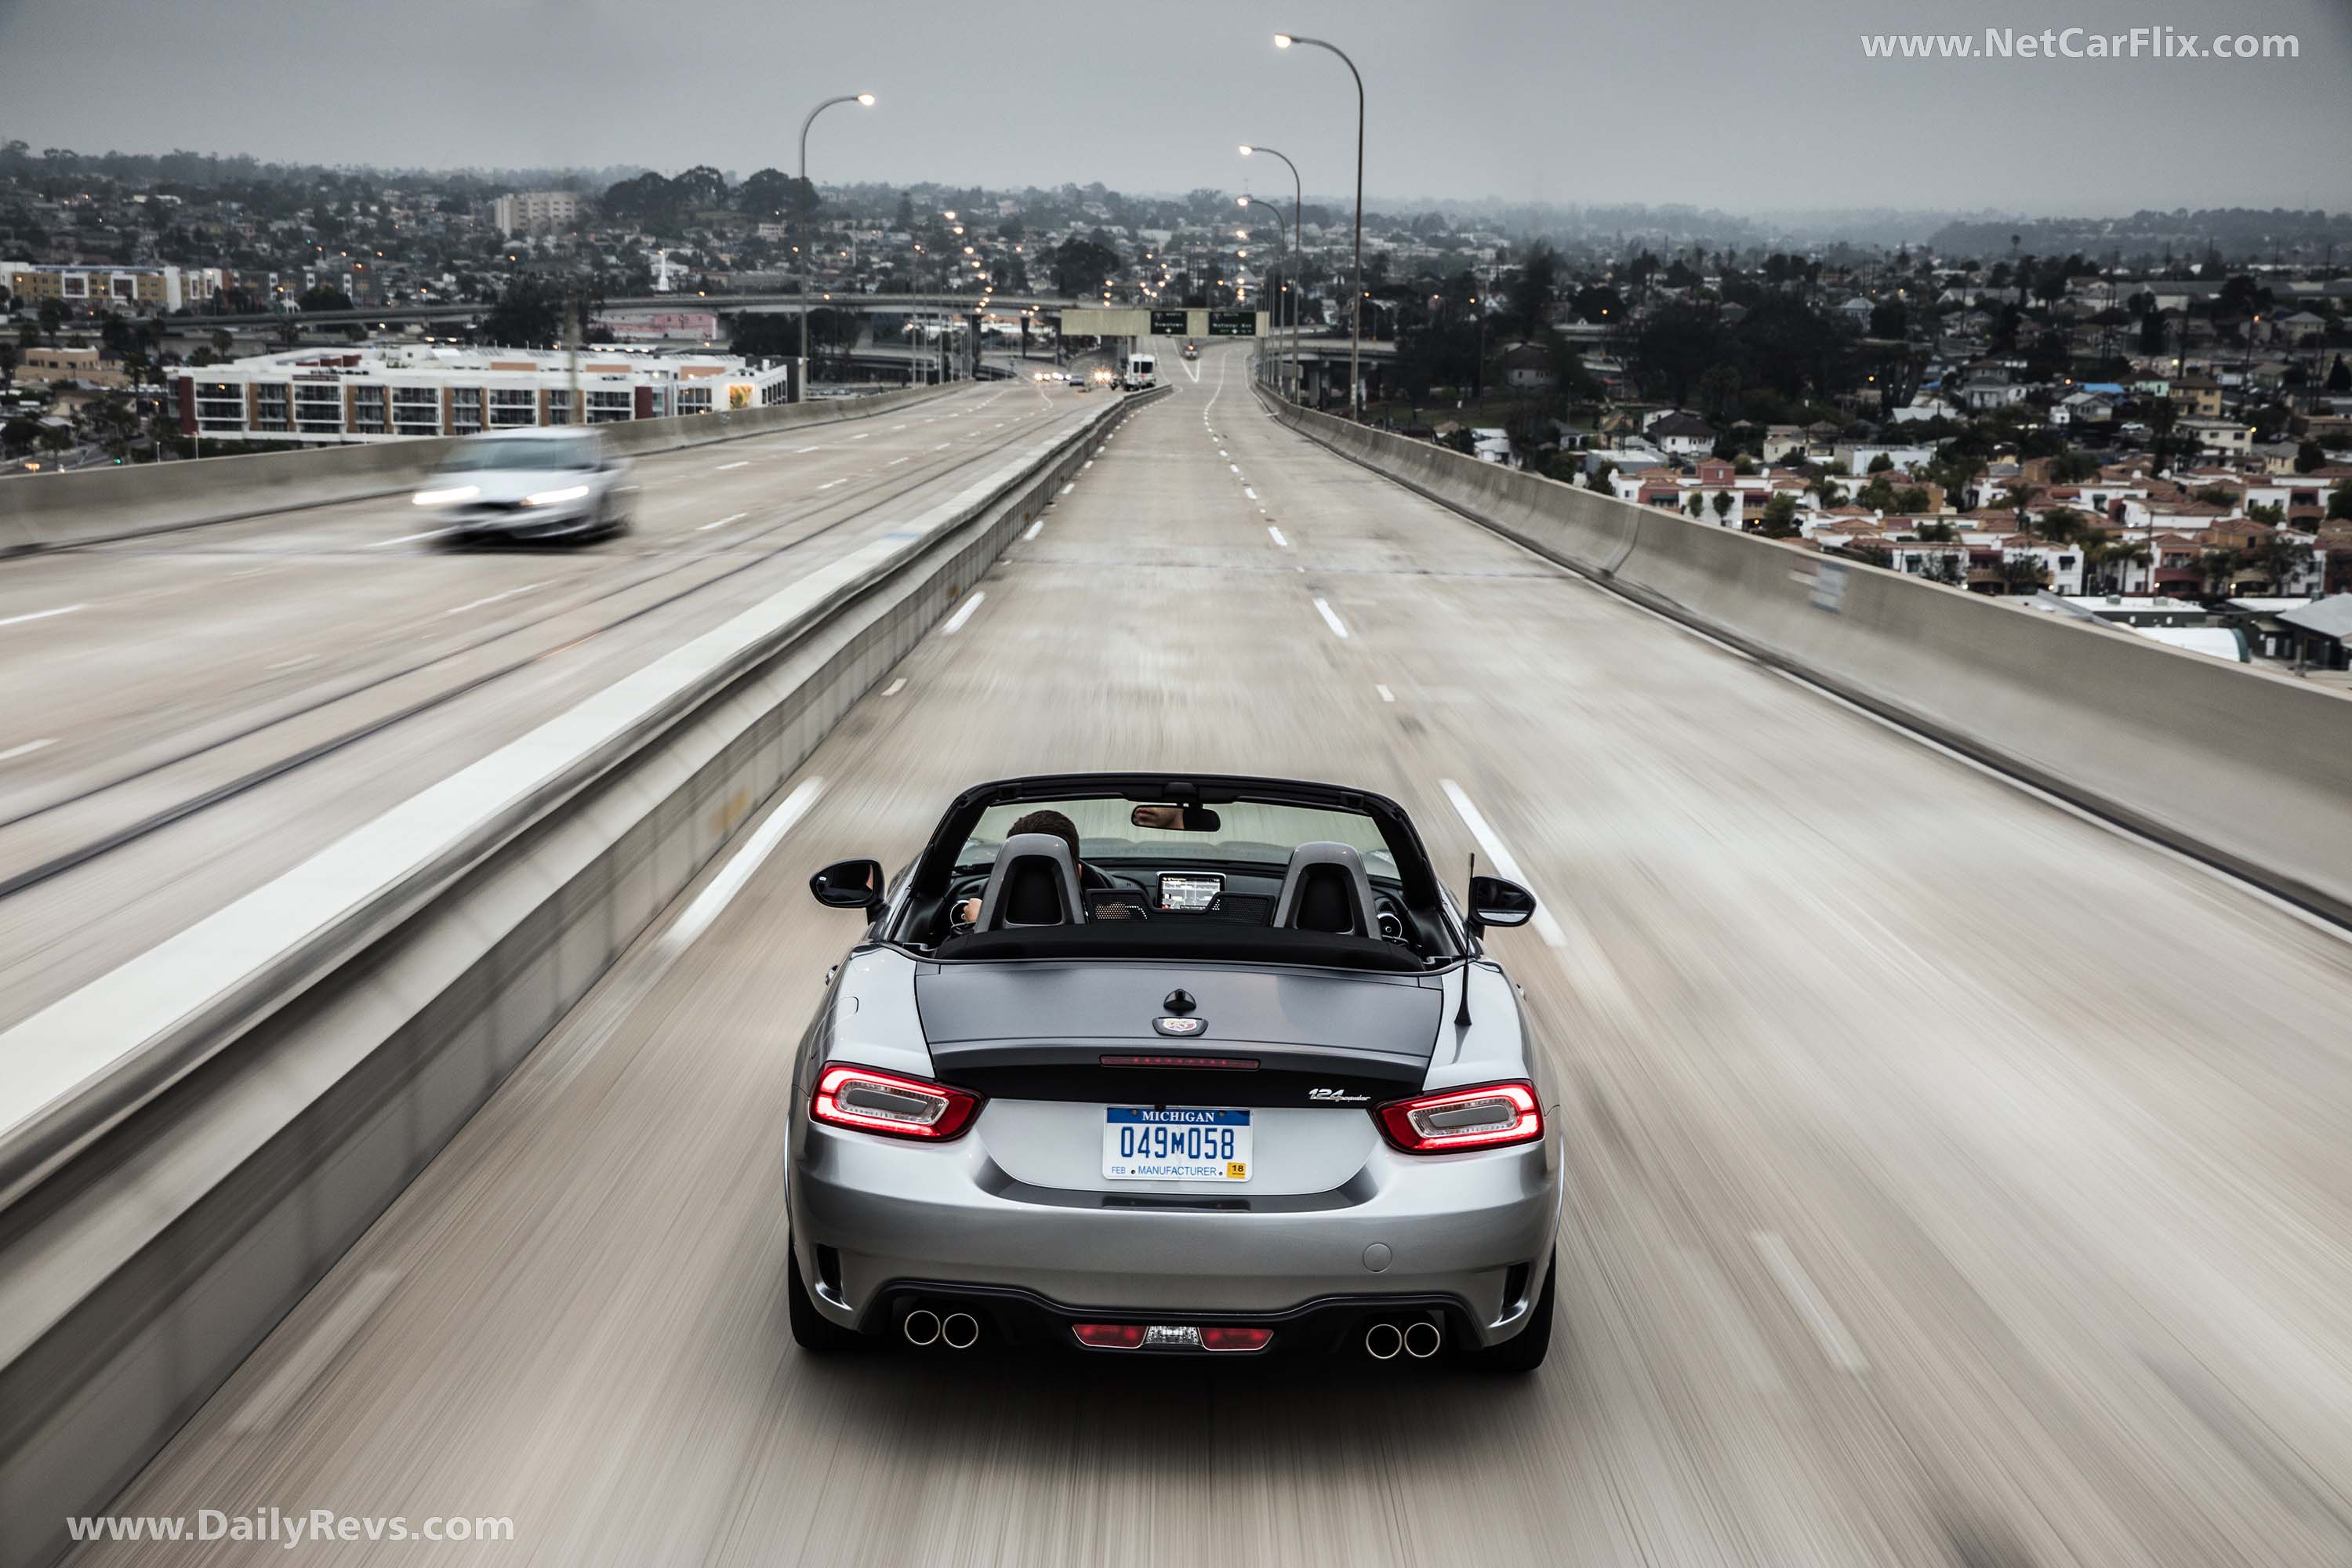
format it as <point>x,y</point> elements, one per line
<point>1133,1064</point>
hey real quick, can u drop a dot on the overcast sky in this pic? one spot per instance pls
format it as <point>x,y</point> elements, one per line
<point>1728,103</point>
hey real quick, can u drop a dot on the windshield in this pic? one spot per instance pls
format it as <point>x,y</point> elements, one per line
<point>509,454</point>
<point>1249,833</point>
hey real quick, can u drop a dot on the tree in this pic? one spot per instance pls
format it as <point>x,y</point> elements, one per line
<point>764,194</point>
<point>2023,572</point>
<point>1779,518</point>
<point>529,315</point>
<point>2339,502</point>
<point>2219,568</point>
<point>1944,567</point>
<point>324,297</point>
<point>1938,533</point>
<point>2309,454</point>
<point>2339,377</point>
<point>2282,558</point>
<point>1911,499</point>
<point>1080,265</point>
<point>1722,504</point>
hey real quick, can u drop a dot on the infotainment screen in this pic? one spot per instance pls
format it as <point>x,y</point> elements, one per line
<point>1189,892</point>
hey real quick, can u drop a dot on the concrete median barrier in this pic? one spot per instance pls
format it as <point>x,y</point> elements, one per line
<point>2243,768</point>
<point>187,1144</point>
<point>96,506</point>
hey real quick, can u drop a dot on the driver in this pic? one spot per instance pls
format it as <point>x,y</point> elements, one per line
<point>1061,827</point>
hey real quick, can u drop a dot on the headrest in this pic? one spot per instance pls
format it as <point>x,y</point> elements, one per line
<point>1324,888</point>
<point>1034,883</point>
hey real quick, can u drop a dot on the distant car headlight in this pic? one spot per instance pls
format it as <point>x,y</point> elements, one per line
<point>556,498</point>
<point>443,498</point>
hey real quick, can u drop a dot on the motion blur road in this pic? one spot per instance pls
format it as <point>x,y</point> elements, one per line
<point>1951,1180</point>
<point>179,672</point>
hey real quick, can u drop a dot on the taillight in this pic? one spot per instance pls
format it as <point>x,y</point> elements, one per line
<point>872,1100</point>
<point>1235,1339</point>
<point>1109,1336</point>
<point>1486,1117</point>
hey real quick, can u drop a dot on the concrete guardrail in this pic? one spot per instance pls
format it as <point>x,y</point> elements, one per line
<point>94,506</point>
<point>189,1143</point>
<point>2247,769</point>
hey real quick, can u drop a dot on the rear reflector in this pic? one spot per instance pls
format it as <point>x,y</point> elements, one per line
<point>1485,1118</point>
<point>1237,1339</point>
<point>1109,1336</point>
<point>1236,1064</point>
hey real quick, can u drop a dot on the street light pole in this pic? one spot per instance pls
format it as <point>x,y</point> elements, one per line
<point>807,195</point>
<point>1356,306</point>
<point>1297,253</point>
<point>1283,260</point>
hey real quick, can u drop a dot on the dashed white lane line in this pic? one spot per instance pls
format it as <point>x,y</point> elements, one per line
<point>897,426</point>
<point>943,445</point>
<point>894,462</point>
<point>830,483</point>
<point>739,463</point>
<point>493,598</point>
<point>41,615</point>
<point>1837,1345</point>
<point>721,891</point>
<point>1286,544</point>
<point>1546,924</point>
<point>861,437</point>
<point>27,749</point>
<point>1234,467</point>
<point>1069,487</point>
<point>1594,979</point>
<point>731,516</point>
<point>297,662</point>
<point>1386,695</point>
<point>895,687</point>
<point>954,623</point>
<point>407,538</point>
<point>808,448</point>
<point>1331,618</point>
<point>1249,492</point>
<point>1034,529</point>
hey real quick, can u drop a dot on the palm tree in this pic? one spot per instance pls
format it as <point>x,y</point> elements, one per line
<point>2129,554</point>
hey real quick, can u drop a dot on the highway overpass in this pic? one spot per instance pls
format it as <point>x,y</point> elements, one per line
<point>402,953</point>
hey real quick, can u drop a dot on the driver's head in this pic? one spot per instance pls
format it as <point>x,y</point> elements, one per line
<point>1052,822</point>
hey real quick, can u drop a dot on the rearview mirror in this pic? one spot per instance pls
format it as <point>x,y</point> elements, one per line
<point>849,885</point>
<point>1177,818</point>
<point>1495,902</point>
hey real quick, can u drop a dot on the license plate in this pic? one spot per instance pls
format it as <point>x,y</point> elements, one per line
<point>1175,1143</point>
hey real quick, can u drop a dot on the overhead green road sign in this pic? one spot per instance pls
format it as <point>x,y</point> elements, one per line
<point>1237,324</point>
<point>1171,324</point>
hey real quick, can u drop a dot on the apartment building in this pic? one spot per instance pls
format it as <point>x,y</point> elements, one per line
<point>107,286</point>
<point>387,391</point>
<point>536,212</point>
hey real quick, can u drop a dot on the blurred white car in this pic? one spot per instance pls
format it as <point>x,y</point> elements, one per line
<point>554,483</point>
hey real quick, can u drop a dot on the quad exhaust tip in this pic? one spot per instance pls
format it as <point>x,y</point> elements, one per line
<point>960,1330</point>
<point>921,1326</point>
<point>1382,1342</point>
<point>1422,1339</point>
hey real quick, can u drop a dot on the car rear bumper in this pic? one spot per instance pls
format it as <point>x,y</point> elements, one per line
<point>879,1223</point>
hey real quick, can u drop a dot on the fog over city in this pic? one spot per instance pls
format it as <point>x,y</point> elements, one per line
<point>1713,102</point>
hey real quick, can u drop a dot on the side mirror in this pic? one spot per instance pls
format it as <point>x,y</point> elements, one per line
<point>849,885</point>
<point>1495,902</point>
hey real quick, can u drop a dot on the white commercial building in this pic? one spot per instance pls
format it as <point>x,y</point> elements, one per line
<point>536,212</point>
<point>384,391</point>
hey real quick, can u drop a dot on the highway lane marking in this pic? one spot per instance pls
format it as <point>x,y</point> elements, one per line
<point>1837,1345</point>
<point>861,437</point>
<point>1499,856</point>
<point>731,517</point>
<point>830,483</point>
<point>297,662</point>
<point>1286,544</point>
<point>1331,618</point>
<point>1249,492</point>
<point>1069,487</point>
<point>1386,695</point>
<point>410,538</point>
<point>897,426</point>
<point>943,445</point>
<point>308,1362</point>
<point>1034,529</point>
<point>27,749</point>
<point>894,462</point>
<point>895,687</point>
<point>1234,467</point>
<point>808,448</point>
<point>721,891</point>
<point>41,615</point>
<point>963,613</point>
<point>493,598</point>
<point>740,463</point>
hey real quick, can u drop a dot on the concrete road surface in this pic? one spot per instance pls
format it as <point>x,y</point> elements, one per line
<point>1951,1181</point>
<point>154,674</point>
